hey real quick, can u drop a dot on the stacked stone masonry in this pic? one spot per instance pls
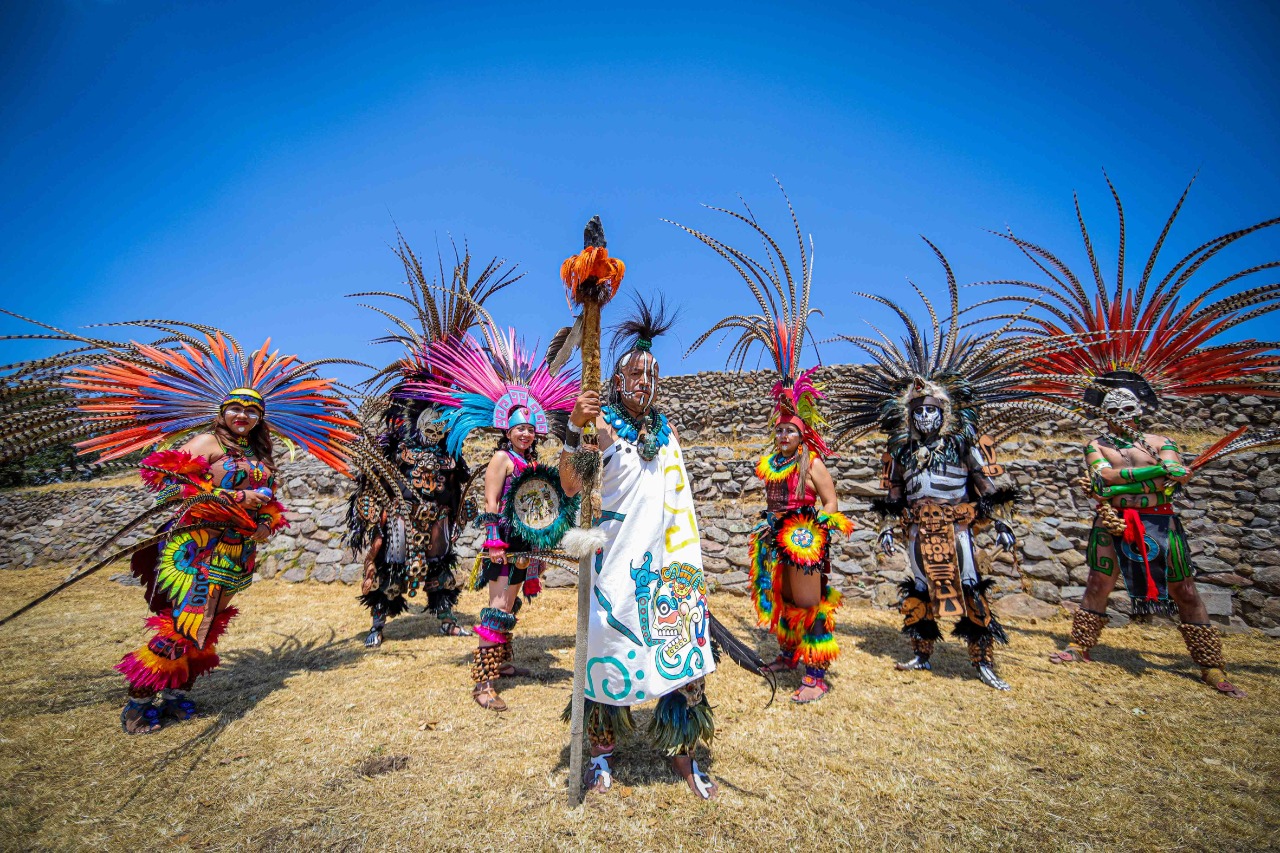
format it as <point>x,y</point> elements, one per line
<point>1229,509</point>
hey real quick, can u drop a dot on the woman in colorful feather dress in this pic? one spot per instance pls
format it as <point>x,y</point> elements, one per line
<point>196,389</point>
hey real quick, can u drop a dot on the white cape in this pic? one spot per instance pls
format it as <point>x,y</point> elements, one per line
<point>648,629</point>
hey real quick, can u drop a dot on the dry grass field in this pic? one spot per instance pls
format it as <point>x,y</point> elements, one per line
<point>311,743</point>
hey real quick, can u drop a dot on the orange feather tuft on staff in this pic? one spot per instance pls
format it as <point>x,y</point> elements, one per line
<point>591,275</point>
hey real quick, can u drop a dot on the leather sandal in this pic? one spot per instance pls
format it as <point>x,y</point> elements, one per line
<point>1070,655</point>
<point>782,663</point>
<point>178,708</point>
<point>1217,679</point>
<point>510,670</point>
<point>599,775</point>
<point>451,628</point>
<point>486,697</point>
<point>140,718</point>
<point>698,780</point>
<point>810,681</point>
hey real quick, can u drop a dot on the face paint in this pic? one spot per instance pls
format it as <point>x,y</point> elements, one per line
<point>240,419</point>
<point>927,419</point>
<point>1121,404</point>
<point>637,381</point>
<point>786,438</point>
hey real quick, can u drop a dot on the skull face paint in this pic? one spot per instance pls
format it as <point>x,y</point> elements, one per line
<point>927,419</point>
<point>636,381</point>
<point>1121,404</point>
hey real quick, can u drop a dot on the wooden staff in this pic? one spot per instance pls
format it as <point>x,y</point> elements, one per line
<point>592,278</point>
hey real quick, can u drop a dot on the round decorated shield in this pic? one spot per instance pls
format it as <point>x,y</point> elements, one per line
<point>802,538</point>
<point>536,508</point>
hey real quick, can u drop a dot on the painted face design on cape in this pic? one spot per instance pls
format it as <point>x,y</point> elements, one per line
<point>1121,404</point>
<point>637,380</point>
<point>927,419</point>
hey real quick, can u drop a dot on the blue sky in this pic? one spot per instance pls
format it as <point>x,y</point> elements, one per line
<point>241,163</point>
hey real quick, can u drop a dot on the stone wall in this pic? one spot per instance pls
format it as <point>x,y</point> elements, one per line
<point>1229,511</point>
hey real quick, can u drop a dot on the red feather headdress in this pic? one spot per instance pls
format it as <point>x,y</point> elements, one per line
<point>1161,330</point>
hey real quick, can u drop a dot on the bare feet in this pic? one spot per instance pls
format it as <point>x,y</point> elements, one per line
<point>694,776</point>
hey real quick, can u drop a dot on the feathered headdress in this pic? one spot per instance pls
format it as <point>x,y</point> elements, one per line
<point>122,397</point>
<point>441,308</point>
<point>497,384</point>
<point>1143,336</point>
<point>973,379</point>
<point>779,328</point>
<point>647,320</point>
<point>439,311</point>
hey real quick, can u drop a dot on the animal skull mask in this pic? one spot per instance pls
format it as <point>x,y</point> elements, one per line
<point>429,425</point>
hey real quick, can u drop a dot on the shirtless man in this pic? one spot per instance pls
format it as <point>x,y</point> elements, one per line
<point>1137,532</point>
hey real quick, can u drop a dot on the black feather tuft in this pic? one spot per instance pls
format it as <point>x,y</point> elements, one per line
<point>971,632</point>
<point>647,320</point>
<point>741,654</point>
<point>1001,496</point>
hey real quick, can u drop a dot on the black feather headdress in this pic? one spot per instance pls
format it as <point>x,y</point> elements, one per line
<point>647,320</point>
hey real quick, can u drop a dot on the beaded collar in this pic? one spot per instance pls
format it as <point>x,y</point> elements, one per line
<point>654,425</point>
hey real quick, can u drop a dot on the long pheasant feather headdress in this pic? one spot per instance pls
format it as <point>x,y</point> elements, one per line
<point>781,325</point>
<point>122,397</point>
<point>974,378</point>
<point>439,311</point>
<point>1161,330</point>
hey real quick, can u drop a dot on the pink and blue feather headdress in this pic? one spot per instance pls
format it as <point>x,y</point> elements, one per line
<point>497,384</point>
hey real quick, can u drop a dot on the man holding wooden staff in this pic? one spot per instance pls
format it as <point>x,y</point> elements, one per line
<point>648,635</point>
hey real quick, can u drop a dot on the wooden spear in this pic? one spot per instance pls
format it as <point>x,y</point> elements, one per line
<point>592,278</point>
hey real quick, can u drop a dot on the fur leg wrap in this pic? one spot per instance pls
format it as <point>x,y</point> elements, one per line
<point>683,717</point>
<point>604,723</point>
<point>981,639</point>
<point>169,660</point>
<point>809,632</point>
<point>980,652</point>
<point>486,664</point>
<point>924,648</point>
<point>379,602</point>
<point>495,625</point>
<point>1086,627</point>
<point>1204,644</point>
